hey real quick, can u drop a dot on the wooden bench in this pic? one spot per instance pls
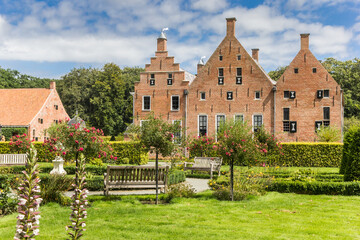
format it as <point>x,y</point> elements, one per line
<point>134,177</point>
<point>13,159</point>
<point>208,164</point>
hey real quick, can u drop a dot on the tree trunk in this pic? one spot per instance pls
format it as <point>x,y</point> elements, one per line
<point>156,177</point>
<point>232,179</point>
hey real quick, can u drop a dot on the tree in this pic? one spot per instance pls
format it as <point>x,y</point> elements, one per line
<point>156,135</point>
<point>328,134</point>
<point>14,79</point>
<point>276,74</point>
<point>237,145</point>
<point>108,101</point>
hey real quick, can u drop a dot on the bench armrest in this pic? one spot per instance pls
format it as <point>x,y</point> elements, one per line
<point>188,163</point>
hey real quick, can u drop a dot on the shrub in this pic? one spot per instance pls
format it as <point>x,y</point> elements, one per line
<point>131,151</point>
<point>7,204</point>
<point>304,154</point>
<point>202,146</point>
<point>53,187</point>
<point>350,165</point>
<point>180,190</point>
<point>328,134</point>
<point>8,132</point>
<point>176,177</point>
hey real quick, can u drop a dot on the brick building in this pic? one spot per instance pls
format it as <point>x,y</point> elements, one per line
<point>32,108</point>
<point>233,85</point>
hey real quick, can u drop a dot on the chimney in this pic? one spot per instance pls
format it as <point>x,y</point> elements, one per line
<point>161,42</point>
<point>200,64</point>
<point>304,37</point>
<point>255,54</point>
<point>52,85</point>
<point>230,26</point>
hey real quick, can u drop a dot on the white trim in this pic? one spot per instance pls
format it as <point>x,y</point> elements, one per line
<point>173,121</point>
<point>255,95</point>
<point>142,105</point>
<point>252,120</point>
<point>141,121</point>
<point>216,121</point>
<point>171,103</point>
<point>207,124</point>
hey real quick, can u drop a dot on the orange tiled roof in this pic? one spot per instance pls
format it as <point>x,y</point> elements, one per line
<point>19,106</point>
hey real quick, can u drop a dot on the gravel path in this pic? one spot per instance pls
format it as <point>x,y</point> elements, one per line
<point>198,184</point>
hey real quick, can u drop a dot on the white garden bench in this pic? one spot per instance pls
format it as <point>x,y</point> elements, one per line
<point>208,164</point>
<point>134,177</point>
<point>13,159</point>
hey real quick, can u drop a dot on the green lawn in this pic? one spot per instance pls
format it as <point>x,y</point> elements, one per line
<point>273,216</point>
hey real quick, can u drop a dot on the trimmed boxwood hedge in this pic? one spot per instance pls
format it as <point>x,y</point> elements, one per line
<point>126,152</point>
<point>315,188</point>
<point>304,154</point>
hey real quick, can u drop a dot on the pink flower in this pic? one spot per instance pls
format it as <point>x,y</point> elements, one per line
<point>64,153</point>
<point>76,141</point>
<point>81,149</point>
<point>264,150</point>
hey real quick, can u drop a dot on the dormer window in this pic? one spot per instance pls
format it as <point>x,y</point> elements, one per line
<point>170,79</point>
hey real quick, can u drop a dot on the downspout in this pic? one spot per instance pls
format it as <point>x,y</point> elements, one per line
<point>274,110</point>
<point>133,102</point>
<point>186,93</point>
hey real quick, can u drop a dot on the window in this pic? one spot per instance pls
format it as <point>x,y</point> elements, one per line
<point>286,94</point>
<point>175,103</point>
<point>220,119</point>
<point>177,133</point>
<point>239,117</point>
<point>326,93</point>
<point>292,94</point>
<point>319,93</point>
<point>257,95</point>
<point>142,122</point>
<point>56,121</point>
<point>56,107</point>
<point>40,120</point>
<point>152,79</point>
<point>220,58</point>
<point>314,70</point>
<point>238,57</point>
<point>146,103</point>
<point>257,122</point>
<point>229,96</point>
<point>170,79</point>
<point>318,125</point>
<point>326,123</point>
<point>202,125</point>
<point>296,70</point>
<point>202,95</point>
<point>238,75</point>
<point>34,135</point>
<point>221,76</point>
<point>326,111</point>
<point>286,119</point>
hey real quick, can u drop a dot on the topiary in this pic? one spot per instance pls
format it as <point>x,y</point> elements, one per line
<point>350,164</point>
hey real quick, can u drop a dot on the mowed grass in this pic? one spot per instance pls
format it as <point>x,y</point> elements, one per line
<point>273,216</point>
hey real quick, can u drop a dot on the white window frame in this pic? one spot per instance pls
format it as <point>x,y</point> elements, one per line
<point>207,124</point>
<point>174,110</point>
<point>216,121</point>
<point>232,96</point>
<point>141,122</point>
<point>173,121</point>
<point>324,93</point>
<point>255,95</point>
<point>252,119</point>
<point>239,114</point>
<point>142,107</point>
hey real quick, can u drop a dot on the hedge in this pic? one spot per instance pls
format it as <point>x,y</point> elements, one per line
<point>9,132</point>
<point>303,154</point>
<point>315,188</point>
<point>126,152</point>
<point>350,165</point>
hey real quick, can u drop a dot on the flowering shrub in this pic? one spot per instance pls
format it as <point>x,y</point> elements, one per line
<point>202,146</point>
<point>180,190</point>
<point>20,143</point>
<point>78,206</point>
<point>29,200</point>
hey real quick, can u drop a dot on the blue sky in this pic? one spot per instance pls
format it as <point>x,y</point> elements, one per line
<point>49,38</point>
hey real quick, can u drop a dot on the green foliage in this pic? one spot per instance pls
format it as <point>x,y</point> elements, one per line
<point>7,204</point>
<point>350,165</point>
<point>130,152</point>
<point>315,187</point>
<point>202,146</point>
<point>276,74</point>
<point>301,154</point>
<point>268,141</point>
<point>14,79</point>
<point>20,144</point>
<point>328,134</point>
<point>180,190</point>
<point>53,187</point>
<point>176,176</point>
<point>9,132</point>
<point>351,121</point>
<point>347,75</point>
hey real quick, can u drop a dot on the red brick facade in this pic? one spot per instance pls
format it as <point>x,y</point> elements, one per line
<point>232,85</point>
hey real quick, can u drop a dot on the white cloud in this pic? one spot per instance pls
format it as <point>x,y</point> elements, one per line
<point>209,5</point>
